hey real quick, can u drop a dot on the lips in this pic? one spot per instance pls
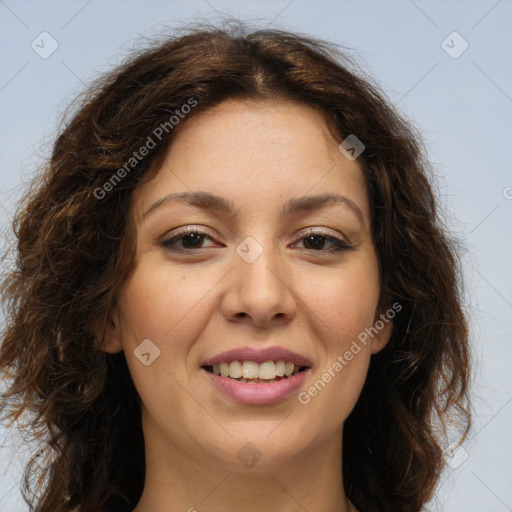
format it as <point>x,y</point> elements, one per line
<point>249,393</point>
<point>259,356</point>
<point>257,376</point>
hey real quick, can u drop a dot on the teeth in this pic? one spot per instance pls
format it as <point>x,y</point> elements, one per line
<point>235,369</point>
<point>267,370</point>
<point>224,369</point>
<point>251,371</point>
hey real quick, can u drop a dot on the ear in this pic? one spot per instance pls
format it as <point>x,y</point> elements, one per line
<point>110,333</point>
<point>384,325</point>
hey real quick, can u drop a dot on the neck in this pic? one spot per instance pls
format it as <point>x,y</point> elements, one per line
<point>310,480</point>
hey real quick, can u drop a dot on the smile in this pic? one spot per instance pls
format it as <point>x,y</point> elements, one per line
<point>257,375</point>
<point>251,371</point>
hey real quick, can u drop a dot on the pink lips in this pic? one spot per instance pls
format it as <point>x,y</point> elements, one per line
<point>259,355</point>
<point>252,393</point>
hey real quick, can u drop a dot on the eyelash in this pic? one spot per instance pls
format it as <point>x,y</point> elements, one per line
<point>339,245</point>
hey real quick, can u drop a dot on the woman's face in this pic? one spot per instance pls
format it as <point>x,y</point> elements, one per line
<point>274,268</point>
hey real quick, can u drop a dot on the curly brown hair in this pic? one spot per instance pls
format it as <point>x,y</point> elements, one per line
<point>75,249</point>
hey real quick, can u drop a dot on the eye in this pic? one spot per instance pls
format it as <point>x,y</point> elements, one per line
<point>190,238</point>
<point>316,241</point>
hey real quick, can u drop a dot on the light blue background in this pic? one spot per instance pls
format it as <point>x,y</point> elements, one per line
<point>462,106</point>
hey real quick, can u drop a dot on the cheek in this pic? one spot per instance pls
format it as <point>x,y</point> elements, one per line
<point>344,302</point>
<point>164,305</point>
<point>170,307</point>
<point>344,306</point>
<point>159,305</point>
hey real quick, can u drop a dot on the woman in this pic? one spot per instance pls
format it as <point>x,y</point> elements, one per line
<point>231,290</point>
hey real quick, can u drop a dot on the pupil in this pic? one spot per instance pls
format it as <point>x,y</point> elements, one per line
<point>196,238</point>
<point>317,245</point>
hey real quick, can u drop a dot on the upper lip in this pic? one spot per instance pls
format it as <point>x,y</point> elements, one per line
<point>259,355</point>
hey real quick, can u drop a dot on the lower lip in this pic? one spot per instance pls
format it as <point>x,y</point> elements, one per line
<point>257,393</point>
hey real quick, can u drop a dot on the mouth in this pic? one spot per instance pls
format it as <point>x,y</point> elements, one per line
<point>248,389</point>
<point>257,375</point>
<point>253,372</point>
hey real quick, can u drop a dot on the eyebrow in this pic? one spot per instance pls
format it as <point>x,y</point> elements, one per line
<point>294,206</point>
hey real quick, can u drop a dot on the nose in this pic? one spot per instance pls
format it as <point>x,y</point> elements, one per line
<point>261,292</point>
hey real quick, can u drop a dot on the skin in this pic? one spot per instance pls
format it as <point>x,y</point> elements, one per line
<point>312,301</point>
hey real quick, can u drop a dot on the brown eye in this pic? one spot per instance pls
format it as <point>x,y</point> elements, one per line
<point>316,242</point>
<point>186,240</point>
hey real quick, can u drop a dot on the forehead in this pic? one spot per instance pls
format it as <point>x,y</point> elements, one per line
<point>257,154</point>
<point>263,130</point>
